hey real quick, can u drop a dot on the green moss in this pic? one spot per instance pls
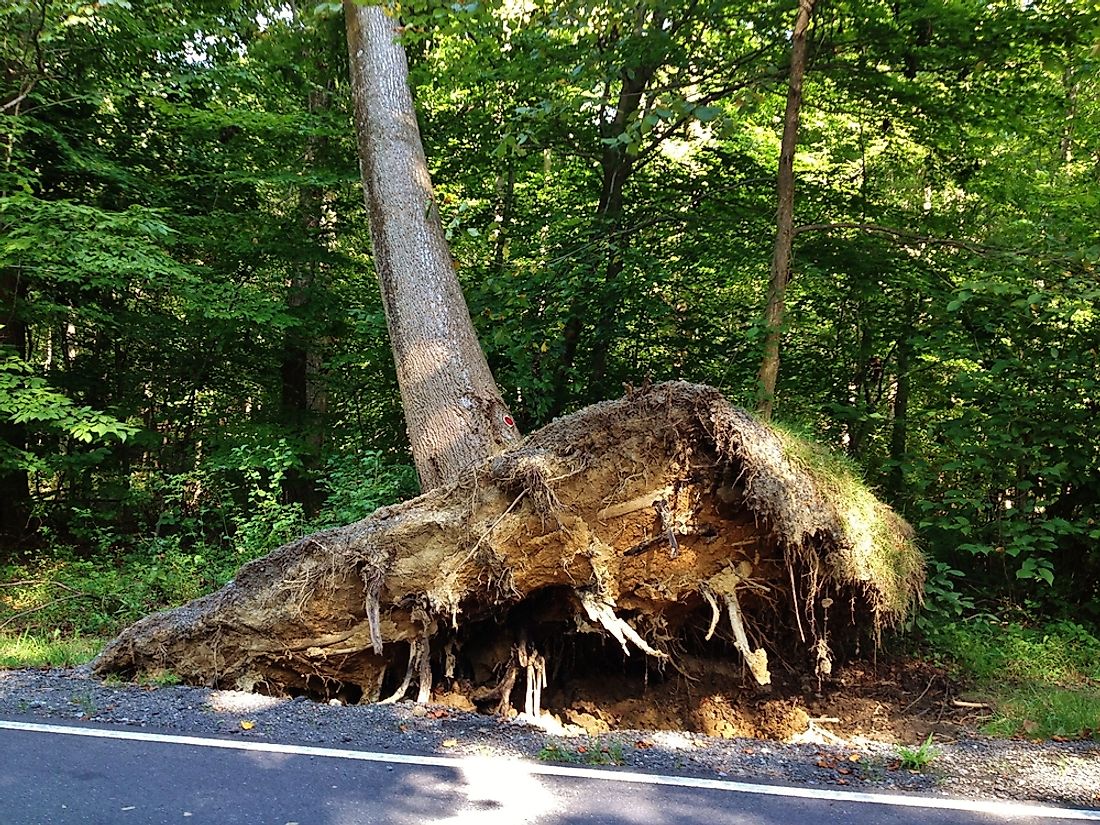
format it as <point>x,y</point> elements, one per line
<point>880,552</point>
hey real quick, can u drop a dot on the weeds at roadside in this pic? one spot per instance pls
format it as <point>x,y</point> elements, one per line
<point>86,704</point>
<point>33,650</point>
<point>1043,681</point>
<point>159,679</point>
<point>607,754</point>
<point>917,759</point>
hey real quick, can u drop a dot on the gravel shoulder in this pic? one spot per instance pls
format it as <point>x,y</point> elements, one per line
<point>977,767</point>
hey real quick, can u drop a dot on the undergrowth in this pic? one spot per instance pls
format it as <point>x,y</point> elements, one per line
<point>610,753</point>
<point>1042,682</point>
<point>39,650</point>
<point>59,601</point>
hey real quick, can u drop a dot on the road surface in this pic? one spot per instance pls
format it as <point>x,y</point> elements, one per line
<point>57,775</point>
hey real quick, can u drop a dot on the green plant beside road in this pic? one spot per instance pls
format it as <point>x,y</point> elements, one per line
<point>31,650</point>
<point>1041,682</point>
<point>610,753</point>
<point>919,758</point>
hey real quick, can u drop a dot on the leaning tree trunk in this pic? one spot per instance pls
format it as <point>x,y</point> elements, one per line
<point>784,217</point>
<point>453,410</point>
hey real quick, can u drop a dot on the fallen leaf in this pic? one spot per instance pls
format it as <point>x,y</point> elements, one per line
<point>247,724</point>
<point>841,781</point>
<point>582,749</point>
<point>855,757</point>
<point>403,728</point>
<point>438,713</point>
<point>642,744</point>
<point>449,743</point>
<point>748,751</point>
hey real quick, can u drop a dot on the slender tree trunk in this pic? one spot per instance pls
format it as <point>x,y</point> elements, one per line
<point>784,217</point>
<point>858,398</point>
<point>453,410</point>
<point>301,398</point>
<point>616,166</point>
<point>899,431</point>
<point>1069,84</point>
<point>14,492</point>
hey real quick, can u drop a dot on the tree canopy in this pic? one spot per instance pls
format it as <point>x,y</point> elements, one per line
<point>193,345</point>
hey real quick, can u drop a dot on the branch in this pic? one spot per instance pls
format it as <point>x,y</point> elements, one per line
<point>911,237</point>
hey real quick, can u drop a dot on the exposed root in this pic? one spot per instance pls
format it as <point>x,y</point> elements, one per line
<point>725,585</point>
<point>424,694</point>
<point>715,612</point>
<point>414,663</point>
<point>505,690</point>
<point>757,660</point>
<point>535,663</point>
<point>372,608</point>
<point>584,506</point>
<point>603,613</point>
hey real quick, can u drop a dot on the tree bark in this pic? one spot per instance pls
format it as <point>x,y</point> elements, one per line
<point>616,166</point>
<point>784,217</point>
<point>453,410</point>
<point>14,491</point>
<point>899,429</point>
<point>302,398</point>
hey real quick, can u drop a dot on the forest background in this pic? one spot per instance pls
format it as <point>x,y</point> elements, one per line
<point>194,366</point>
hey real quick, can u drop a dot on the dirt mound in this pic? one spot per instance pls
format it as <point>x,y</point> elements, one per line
<point>668,521</point>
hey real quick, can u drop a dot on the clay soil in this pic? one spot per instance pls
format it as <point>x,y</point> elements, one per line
<point>884,699</point>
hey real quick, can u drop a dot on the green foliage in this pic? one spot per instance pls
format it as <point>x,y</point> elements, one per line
<point>1041,682</point>
<point>160,678</point>
<point>590,753</point>
<point>919,758</point>
<point>25,397</point>
<point>357,485</point>
<point>1046,712</point>
<point>195,365</point>
<point>1060,653</point>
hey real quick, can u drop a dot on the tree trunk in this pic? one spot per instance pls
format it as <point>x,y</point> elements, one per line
<point>302,400</point>
<point>616,166</point>
<point>453,410</point>
<point>899,430</point>
<point>14,492</point>
<point>784,217</point>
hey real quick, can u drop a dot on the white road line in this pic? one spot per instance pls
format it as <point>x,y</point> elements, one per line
<point>992,807</point>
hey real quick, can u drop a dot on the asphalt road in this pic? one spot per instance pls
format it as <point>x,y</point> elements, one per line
<point>49,777</point>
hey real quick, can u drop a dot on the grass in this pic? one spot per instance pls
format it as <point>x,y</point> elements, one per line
<point>38,650</point>
<point>1042,682</point>
<point>881,544</point>
<point>591,754</point>
<point>919,758</point>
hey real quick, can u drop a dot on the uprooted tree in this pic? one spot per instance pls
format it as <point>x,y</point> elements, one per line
<point>667,521</point>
